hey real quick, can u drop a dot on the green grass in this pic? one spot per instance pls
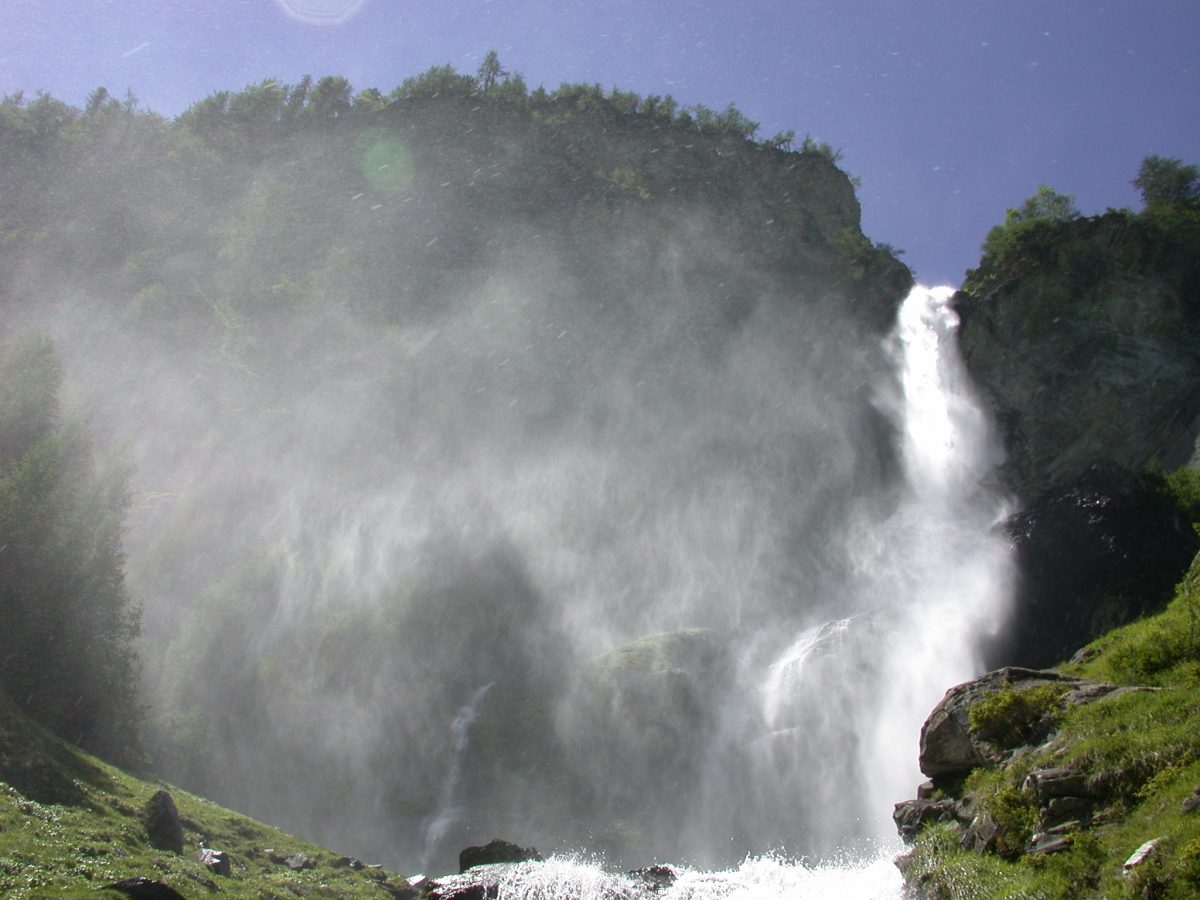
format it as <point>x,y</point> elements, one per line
<point>71,824</point>
<point>1141,751</point>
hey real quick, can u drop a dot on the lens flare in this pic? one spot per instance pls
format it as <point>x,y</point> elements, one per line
<point>384,160</point>
<point>321,12</point>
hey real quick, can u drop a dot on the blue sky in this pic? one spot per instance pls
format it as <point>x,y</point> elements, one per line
<point>949,111</point>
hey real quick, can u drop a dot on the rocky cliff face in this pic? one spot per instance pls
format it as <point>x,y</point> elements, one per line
<point>1084,344</point>
<point>1082,339</point>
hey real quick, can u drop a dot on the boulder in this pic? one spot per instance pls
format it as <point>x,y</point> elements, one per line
<point>495,851</point>
<point>142,888</point>
<point>1049,784</point>
<point>164,830</point>
<point>1192,803</point>
<point>299,861</point>
<point>949,750</point>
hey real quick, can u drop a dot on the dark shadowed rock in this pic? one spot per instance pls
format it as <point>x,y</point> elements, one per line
<point>911,816</point>
<point>495,851</point>
<point>164,831</point>
<point>656,878</point>
<point>1096,553</point>
<point>145,889</point>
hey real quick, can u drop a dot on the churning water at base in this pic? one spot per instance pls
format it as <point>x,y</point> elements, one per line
<point>757,878</point>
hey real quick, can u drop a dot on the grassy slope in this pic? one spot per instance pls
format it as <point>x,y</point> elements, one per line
<point>70,824</point>
<point>1142,749</point>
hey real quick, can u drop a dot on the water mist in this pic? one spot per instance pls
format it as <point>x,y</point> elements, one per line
<point>669,504</point>
<point>840,706</point>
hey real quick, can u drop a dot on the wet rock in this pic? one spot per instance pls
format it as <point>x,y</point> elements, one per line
<point>1092,554</point>
<point>656,878</point>
<point>495,851</point>
<point>347,862</point>
<point>164,830</point>
<point>145,889</point>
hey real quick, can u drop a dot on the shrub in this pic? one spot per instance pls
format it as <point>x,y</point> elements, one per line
<point>1045,207</point>
<point>1012,716</point>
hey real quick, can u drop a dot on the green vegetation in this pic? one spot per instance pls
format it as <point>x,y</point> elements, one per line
<point>71,824</point>
<point>1047,207</point>
<point>1140,751</point>
<point>1011,716</point>
<point>66,648</point>
<point>1035,230</point>
<point>1166,183</point>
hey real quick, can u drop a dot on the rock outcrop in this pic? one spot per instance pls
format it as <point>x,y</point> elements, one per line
<point>1083,344</point>
<point>1093,554</point>
<point>985,723</point>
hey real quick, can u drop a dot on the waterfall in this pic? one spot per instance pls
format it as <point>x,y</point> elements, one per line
<point>941,554</point>
<point>840,707</point>
<point>448,811</point>
<point>843,704</point>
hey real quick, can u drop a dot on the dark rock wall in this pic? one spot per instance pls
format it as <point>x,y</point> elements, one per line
<point>1084,345</point>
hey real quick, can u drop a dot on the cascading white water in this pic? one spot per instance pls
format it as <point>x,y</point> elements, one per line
<point>843,704</point>
<point>448,811</point>
<point>947,565</point>
<point>845,701</point>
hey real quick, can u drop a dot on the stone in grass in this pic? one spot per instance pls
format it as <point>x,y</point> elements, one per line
<point>163,828</point>
<point>141,888</point>
<point>217,861</point>
<point>1048,843</point>
<point>1140,855</point>
<point>1192,803</point>
<point>298,861</point>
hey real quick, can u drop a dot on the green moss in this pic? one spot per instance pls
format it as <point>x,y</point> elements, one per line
<point>1011,716</point>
